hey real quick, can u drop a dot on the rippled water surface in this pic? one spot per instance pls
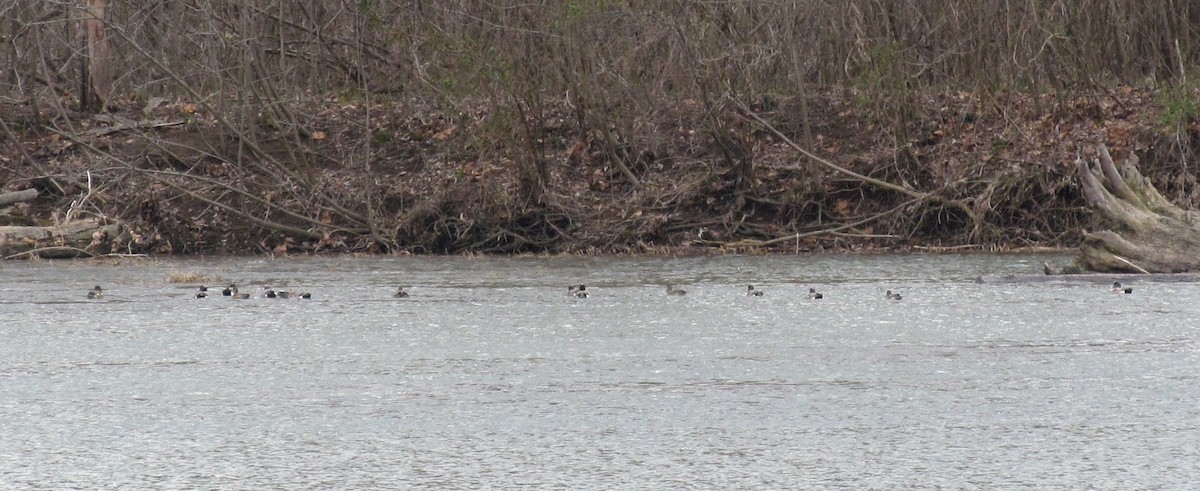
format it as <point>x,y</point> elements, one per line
<point>489,377</point>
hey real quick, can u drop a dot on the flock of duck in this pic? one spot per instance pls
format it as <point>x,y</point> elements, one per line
<point>231,291</point>
<point>581,292</point>
<point>573,291</point>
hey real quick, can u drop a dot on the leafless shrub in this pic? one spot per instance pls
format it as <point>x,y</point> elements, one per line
<point>620,75</point>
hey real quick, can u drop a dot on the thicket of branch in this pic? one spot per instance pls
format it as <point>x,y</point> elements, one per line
<point>619,69</point>
<point>603,52</point>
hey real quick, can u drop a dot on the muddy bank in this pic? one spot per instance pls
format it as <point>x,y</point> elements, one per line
<point>989,173</point>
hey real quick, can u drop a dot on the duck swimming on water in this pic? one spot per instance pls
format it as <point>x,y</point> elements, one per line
<point>1117,288</point>
<point>96,293</point>
<point>400,293</point>
<point>671,290</point>
<point>751,292</point>
<point>891,296</point>
<point>203,293</point>
<point>577,291</point>
<point>232,292</point>
<point>814,294</point>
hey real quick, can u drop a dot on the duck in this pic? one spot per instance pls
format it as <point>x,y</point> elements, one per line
<point>400,293</point>
<point>96,293</point>
<point>814,294</point>
<point>203,293</point>
<point>1117,288</point>
<point>305,296</point>
<point>751,292</point>
<point>671,290</point>
<point>892,296</point>
<point>233,294</point>
<point>269,293</point>
<point>577,291</point>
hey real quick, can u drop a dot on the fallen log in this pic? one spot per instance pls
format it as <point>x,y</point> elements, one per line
<point>1089,278</point>
<point>80,238</point>
<point>17,196</point>
<point>1147,233</point>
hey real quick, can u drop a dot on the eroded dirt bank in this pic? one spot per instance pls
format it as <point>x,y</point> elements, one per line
<point>404,177</point>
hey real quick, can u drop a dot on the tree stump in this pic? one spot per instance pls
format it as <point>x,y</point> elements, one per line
<point>1148,233</point>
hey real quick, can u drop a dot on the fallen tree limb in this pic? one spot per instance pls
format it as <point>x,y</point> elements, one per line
<point>18,196</point>
<point>52,252</point>
<point>79,238</point>
<point>811,156</point>
<point>123,124</point>
<point>777,240</point>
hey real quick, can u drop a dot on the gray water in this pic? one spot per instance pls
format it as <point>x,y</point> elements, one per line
<point>489,377</point>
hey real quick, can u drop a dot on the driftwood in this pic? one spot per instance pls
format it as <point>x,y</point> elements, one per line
<point>1090,278</point>
<point>17,196</point>
<point>1148,233</point>
<point>80,238</point>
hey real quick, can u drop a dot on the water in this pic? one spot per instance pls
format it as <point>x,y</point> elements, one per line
<point>489,377</point>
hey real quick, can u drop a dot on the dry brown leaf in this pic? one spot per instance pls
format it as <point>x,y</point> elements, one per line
<point>444,134</point>
<point>843,207</point>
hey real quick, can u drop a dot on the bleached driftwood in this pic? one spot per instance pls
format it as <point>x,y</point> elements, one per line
<point>18,196</point>
<point>79,238</point>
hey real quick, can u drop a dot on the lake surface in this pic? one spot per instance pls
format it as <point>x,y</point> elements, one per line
<point>488,376</point>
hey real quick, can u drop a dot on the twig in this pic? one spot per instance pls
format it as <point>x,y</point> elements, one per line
<point>762,243</point>
<point>1130,263</point>
<point>76,205</point>
<point>948,248</point>
<point>50,248</point>
<point>865,236</point>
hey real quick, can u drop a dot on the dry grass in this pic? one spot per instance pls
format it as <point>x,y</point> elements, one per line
<point>192,277</point>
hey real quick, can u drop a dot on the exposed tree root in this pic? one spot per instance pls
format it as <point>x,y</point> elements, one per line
<point>1149,233</point>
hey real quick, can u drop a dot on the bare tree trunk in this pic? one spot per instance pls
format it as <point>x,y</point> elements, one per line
<point>95,86</point>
